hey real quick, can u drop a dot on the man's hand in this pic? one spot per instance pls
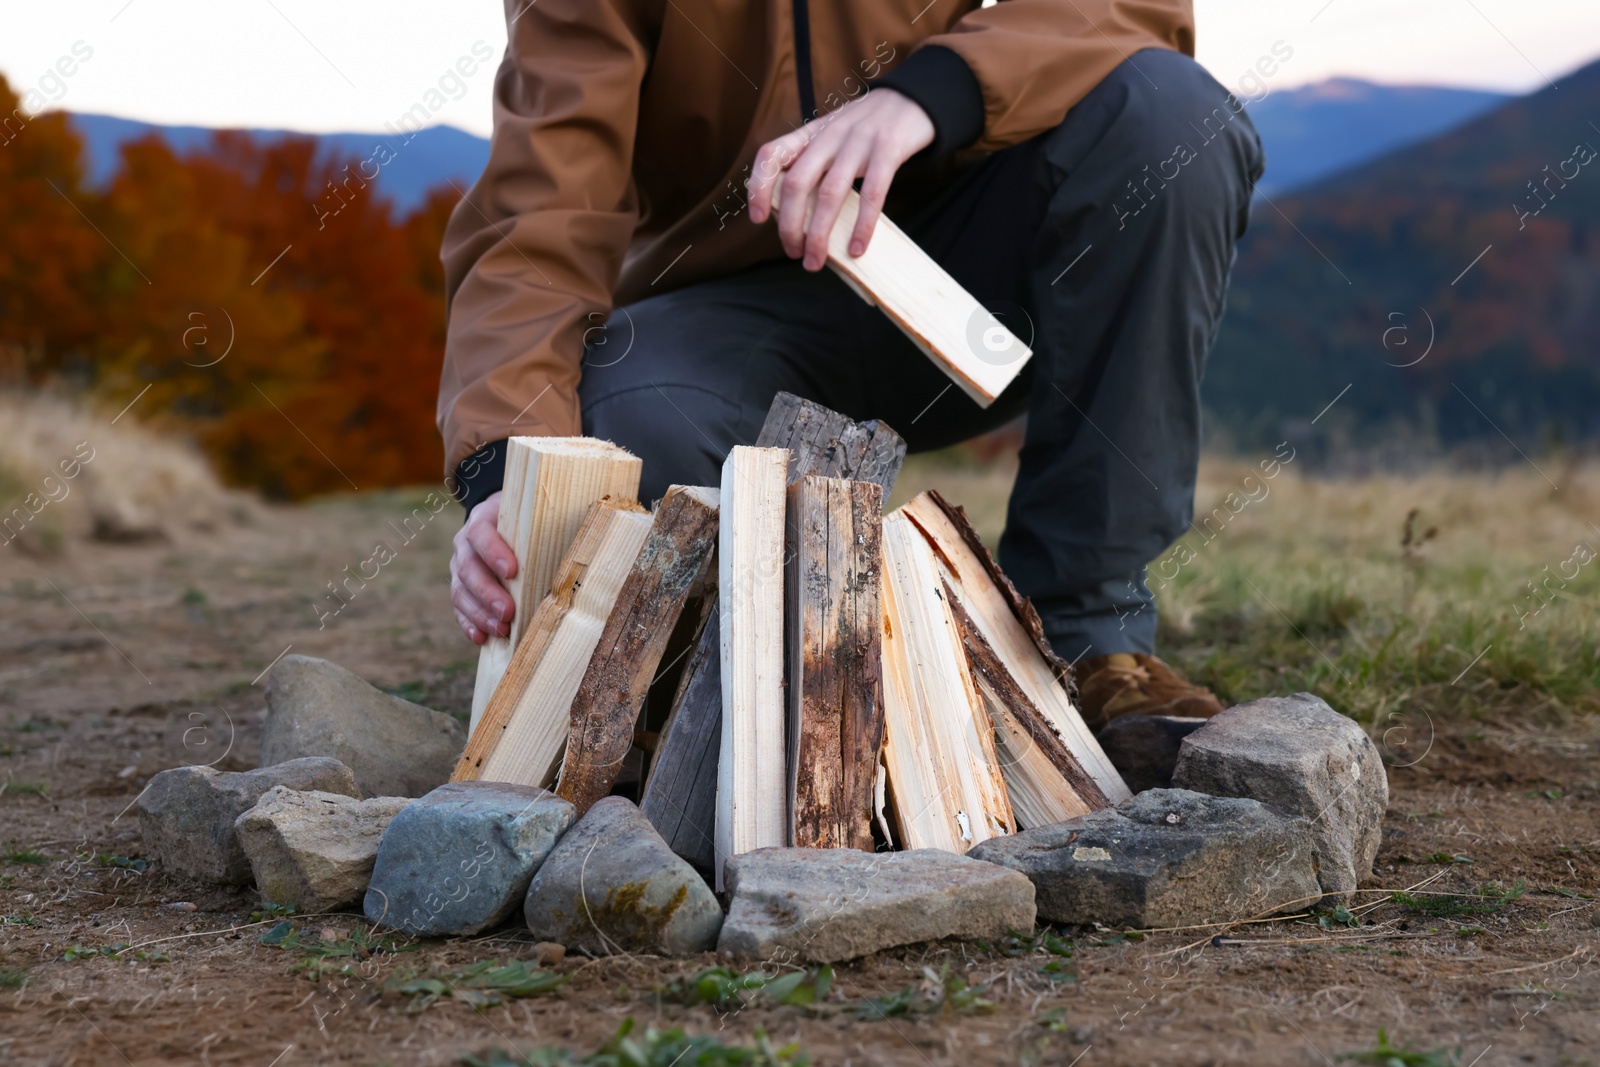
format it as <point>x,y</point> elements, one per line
<point>867,138</point>
<point>483,606</point>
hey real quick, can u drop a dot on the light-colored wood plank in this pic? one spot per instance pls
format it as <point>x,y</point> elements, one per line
<point>1010,626</point>
<point>833,575</point>
<point>680,791</point>
<point>943,767</point>
<point>751,808</point>
<point>978,351</point>
<point>670,568</point>
<point>524,729</point>
<point>549,484</point>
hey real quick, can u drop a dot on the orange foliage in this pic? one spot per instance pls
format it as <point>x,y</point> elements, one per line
<point>302,352</point>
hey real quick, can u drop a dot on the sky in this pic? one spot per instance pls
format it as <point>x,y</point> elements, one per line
<point>327,65</point>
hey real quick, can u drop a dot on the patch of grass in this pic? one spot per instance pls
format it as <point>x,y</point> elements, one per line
<point>1488,899</point>
<point>20,919</point>
<point>27,789</point>
<point>939,992</point>
<point>653,1048</point>
<point>726,990</point>
<point>193,596</point>
<point>105,859</point>
<point>13,977</point>
<point>322,959</point>
<point>1447,858</point>
<point>116,951</point>
<point>481,985</point>
<point>1386,1055</point>
<point>269,910</point>
<point>22,855</point>
<point>1056,950</point>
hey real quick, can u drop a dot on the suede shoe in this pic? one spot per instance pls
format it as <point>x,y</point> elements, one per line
<point>1132,683</point>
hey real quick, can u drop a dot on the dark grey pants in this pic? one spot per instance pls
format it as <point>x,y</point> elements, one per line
<point>1106,243</point>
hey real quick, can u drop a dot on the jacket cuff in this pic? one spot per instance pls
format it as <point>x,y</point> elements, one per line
<point>481,475</point>
<point>941,82</point>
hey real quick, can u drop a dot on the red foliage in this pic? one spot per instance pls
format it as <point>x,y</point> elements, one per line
<point>300,348</point>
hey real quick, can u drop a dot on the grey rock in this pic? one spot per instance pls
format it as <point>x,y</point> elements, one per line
<point>827,905</point>
<point>612,885</point>
<point>1144,748</point>
<point>186,814</point>
<point>1167,857</point>
<point>312,849</point>
<point>1301,757</point>
<point>458,860</point>
<point>396,748</point>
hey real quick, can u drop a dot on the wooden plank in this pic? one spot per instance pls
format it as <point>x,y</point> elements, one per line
<point>549,484</point>
<point>978,352</point>
<point>680,792</point>
<point>670,568</point>
<point>1044,780</point>
<point>1011,627</point>
<point>525,726</point>
<point>833,612</point>
<point>751,808</point>
<point>943,767</point>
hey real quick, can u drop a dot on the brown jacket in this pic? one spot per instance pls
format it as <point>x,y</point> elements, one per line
<point>624,131</point>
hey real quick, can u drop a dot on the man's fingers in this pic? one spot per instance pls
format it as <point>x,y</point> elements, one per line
<point>874,190</point>
<point>768,170</point>
<point>486,541</point>
<point>831,193</point>
<point>475,635</point>
<point>479,594</point>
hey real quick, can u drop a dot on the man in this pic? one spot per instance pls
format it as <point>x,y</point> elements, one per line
<point>617,271</point>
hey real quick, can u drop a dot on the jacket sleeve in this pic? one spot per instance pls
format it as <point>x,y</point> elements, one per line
<point>1008,72</point>
<point>532,252</point>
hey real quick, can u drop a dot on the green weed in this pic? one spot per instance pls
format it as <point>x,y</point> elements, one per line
<point>323,959</point>
<point>1386,1055</point>
<point>13,977</point>
<point>653,1048</point>
<point>481,985</point>
<point>1488,899</point>
<point>939,992</point>
<point>726,990</point>
<point>116,951</point>
<point>23,855</point>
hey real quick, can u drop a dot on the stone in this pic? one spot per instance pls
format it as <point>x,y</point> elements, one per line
<point>1165,858</point>
<point>827,905</point>
<point>1144,748</point>
<point>458,861</point>
<point>396,748</point>
<point>613,885</point>
<point>186,814</point>
<point>312,849</point>
<point>1298,755</point>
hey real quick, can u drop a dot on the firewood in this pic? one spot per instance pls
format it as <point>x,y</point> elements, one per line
<point>525,726</point>
<point>671,567</point>
<point>750,771</point>
<point>549,484</point>
<point>1011,628</point>
<point>834,621</point>
<point>978,352</point>
<point>680,792</point>
<point>943,766</point>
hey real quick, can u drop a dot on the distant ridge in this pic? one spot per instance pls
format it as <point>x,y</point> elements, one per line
<point>431,157</point>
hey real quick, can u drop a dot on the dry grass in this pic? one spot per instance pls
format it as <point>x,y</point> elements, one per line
<point>68,472</point>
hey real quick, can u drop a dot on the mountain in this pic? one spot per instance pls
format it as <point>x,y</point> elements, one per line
<point>1453,286</point>
<point>431,157</point>
<point>1320,129</point>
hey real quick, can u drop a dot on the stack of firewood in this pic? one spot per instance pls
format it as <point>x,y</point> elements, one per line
<point>849,679</point>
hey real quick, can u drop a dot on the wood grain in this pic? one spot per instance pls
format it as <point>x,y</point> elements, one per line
<point>670,568</point>
<point>978,352</point>
<point>751,808</point>
<point>549,484</point>
<point>1011,627</point>
<point>680,791</point>
<point>833,633</point>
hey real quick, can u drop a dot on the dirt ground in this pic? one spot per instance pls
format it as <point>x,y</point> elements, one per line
<point>119,661</point>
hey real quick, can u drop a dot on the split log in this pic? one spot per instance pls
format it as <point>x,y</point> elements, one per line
<point>971,345</point>
<point>549,484</point>
<point>680,792</point>
<point>670,568</point>
<point>751,812</point>
<point>834,615</point>
<point>943,766</point>
<point>525,725</point>
<point>1010,627</point>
